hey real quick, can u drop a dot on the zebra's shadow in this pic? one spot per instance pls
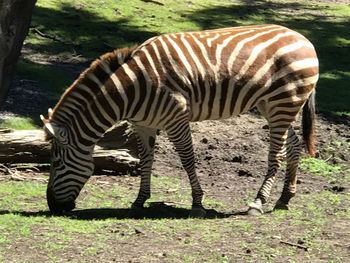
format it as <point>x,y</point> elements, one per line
<point>158,211</point>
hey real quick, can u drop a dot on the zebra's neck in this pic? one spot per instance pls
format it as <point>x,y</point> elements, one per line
<point>95,101</point>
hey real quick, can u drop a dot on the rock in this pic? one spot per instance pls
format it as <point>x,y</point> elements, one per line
<point>245,173</point>
<point>212,147</point>
<point>204,140</point>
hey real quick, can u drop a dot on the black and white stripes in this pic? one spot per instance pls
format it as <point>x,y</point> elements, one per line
<point>173,79</point>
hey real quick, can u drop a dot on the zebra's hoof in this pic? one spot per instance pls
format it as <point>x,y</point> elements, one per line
<point>255,209</point>
<point>281,206</point>
<point>254,212</point>
<point>198,212</point>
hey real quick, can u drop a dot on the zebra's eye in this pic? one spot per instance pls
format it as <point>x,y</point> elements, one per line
<point>62,136</point>
<point>56,131</point>
<point>56,163</point>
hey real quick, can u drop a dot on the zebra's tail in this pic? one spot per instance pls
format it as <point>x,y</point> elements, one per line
<point>308,124</point>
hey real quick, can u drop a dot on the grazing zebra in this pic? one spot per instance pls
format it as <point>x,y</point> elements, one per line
<point>173,79</point>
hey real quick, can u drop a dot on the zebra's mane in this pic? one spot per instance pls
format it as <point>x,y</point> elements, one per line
<point>113,59</point>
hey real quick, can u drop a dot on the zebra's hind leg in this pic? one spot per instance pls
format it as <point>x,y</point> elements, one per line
<point>180,135</point>
<point>278,137</point>
<point>145,140</point>
<point>290,183</point>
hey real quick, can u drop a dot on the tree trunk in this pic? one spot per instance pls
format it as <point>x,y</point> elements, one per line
<point>15,17</point>
<point>30,147</point>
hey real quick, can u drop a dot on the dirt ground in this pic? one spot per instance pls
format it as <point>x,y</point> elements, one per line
<point>232,155</point>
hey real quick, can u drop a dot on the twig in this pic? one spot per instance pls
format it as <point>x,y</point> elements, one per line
<point>29,80</point>
<point>12,174</point>
<point>294,245</point>
<point>6,169</point>
<point>17,178</point>
<point>6,130</point>
<point>54,38</point>
<point>108,45</point>
<point>153,2</point>
<point>330,157</point>
<point>27,166</point>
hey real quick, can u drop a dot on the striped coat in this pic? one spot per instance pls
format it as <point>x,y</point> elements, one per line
<point>173,79</point>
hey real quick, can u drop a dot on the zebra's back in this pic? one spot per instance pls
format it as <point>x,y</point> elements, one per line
<point>222,73</point>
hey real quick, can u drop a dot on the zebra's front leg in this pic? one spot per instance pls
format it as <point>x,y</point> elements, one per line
<point>180,135</point>
<point>145,140</point>
<point>290,182</point>
<point>278,137</point>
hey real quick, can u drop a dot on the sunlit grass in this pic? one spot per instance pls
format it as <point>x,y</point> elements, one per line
<point>55,235</point>
<point>320,167</point>
<point>91,30</point>
<point>14,196</point>
<point>18,123</point>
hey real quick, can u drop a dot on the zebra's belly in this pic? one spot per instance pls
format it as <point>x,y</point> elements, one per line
<point>216,111</point>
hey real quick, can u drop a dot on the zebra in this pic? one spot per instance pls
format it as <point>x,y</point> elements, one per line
<point>173,79</point>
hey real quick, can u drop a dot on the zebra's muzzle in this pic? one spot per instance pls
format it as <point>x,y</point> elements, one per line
<point>58,207</point>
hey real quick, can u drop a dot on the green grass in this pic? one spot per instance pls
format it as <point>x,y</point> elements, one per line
<point>93,29</point>
<point>24,221</point>
<point>18,123</point>
<point>49,76</point>
<point>320,167</point>
<point>90,30</point>
<point>22,193</point>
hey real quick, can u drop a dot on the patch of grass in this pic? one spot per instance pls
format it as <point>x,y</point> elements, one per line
<point>3,240</point>
<point>27,195</point>
<point>344,214</point>
<point>91,251</point>
<point>213,203</point>
<point>47,76</point>
<point>244,225</point>
<point>92,29</point>
<point>76,226</point>
<point>177,188</point>
<point>310,223</point>
<point>18,123</point>
<point>89,30</point>
<point>319,167</point>
<point>187,240</point>
<point>213,257</point>
<point>13,227</point>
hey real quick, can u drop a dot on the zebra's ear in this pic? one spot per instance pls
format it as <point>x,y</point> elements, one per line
<point>48,126</point>
<point>53,130</point>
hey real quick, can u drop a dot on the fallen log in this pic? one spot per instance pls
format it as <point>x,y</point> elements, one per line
<point>116,151</point>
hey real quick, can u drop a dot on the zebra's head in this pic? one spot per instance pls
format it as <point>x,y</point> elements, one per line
<point>70,167</point>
